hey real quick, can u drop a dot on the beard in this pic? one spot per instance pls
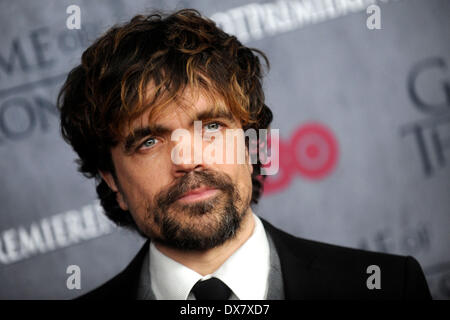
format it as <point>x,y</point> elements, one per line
<point>198,225</point>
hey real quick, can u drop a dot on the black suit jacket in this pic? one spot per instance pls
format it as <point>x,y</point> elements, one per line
<point>310,270</point>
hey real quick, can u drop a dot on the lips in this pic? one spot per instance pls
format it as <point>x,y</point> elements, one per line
<point>198,194</point>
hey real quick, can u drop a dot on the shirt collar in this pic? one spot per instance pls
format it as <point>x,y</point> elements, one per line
<point>245,272</point>
<point>170,279</point>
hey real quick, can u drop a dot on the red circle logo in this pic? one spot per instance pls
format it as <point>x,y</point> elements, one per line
<point>315,150</point>
<point>312,152</point>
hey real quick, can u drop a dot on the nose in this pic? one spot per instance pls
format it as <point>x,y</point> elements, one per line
<point>187,155</point>
<point>182,169</point>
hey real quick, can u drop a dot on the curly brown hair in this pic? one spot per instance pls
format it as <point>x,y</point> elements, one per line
<point>107,91</point>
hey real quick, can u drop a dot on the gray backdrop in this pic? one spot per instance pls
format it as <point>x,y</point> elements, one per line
<point>364,120</point>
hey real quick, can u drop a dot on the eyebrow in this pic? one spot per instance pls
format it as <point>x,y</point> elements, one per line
<point>159,130</point>
<point>214,114</point>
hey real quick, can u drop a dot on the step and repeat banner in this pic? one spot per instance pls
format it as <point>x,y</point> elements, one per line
<point>360,91</point>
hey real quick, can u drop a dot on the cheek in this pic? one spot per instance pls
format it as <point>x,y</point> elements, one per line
<point>241,175</point>
<point>139,184</point>
<point>245,186</point>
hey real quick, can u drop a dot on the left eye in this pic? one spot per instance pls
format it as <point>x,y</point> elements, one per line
<point>213,126</point>
<point>149,143</point>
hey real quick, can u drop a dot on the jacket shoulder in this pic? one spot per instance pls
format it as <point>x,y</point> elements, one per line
<point>122,286</point>
<point>338,272</point>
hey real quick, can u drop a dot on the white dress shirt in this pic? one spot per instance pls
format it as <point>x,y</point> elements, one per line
<point>245,272</point>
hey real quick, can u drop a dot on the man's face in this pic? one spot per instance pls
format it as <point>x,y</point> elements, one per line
<point>151,186</point>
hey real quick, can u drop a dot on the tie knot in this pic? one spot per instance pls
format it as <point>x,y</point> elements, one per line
<point>211,289</point>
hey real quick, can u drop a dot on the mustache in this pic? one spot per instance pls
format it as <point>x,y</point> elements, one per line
<point>194,180</point>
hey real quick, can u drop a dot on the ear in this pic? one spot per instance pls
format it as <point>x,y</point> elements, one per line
<point>110,181</point>
<point>247,161</point>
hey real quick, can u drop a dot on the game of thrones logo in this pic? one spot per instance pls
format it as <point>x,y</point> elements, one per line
<point>29,106</point>
<point>432,133</point>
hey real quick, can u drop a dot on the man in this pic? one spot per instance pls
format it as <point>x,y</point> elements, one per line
<point>140,83</point>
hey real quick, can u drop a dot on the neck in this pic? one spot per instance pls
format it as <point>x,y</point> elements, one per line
<point>207,261</point>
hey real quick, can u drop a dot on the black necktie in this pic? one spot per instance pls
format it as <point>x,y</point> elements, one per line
<point>211,289</point>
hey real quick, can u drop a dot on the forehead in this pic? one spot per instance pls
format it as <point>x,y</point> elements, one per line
<point>182,111</point>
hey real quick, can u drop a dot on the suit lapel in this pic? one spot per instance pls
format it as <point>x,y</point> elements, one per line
<point>129,279</point>
<point>301,276</point>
